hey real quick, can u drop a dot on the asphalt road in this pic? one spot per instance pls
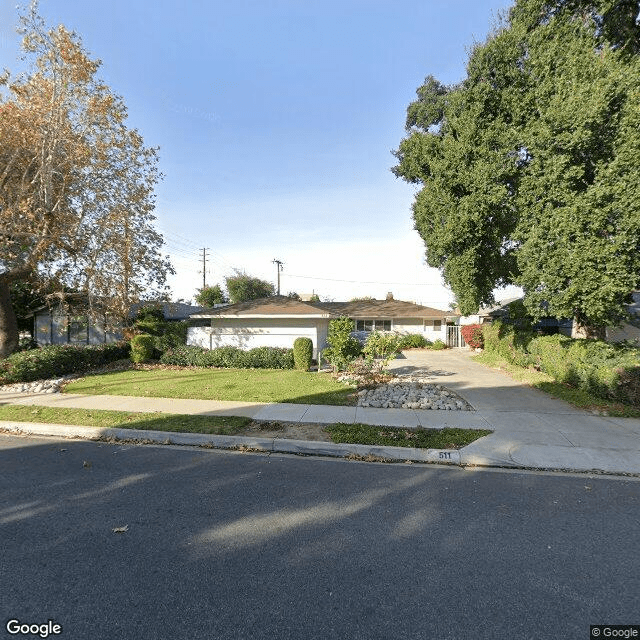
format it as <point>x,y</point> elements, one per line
<point>228,545</point>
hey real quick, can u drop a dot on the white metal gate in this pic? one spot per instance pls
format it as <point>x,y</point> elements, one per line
<point>454,336</point>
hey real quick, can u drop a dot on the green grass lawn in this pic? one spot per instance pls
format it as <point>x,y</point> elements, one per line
<point>544,382</point>
<point>234,425</point>
<point>218,425</point>
<point>247,385</point>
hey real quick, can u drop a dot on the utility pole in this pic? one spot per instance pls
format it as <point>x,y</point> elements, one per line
<point>204,267</point>
<point>279,266</point>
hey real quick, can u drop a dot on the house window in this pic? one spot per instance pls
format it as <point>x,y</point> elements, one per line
<point>373,325</point>
<point>437,325</point>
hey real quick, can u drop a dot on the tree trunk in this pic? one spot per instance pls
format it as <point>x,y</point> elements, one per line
<point>583,330</point>
<point>8,322</point>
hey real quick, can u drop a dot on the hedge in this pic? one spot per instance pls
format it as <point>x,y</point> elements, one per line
<point>229,357</point>
<point>58,360</point>
<point>302,353</point>
<point>610,371</point>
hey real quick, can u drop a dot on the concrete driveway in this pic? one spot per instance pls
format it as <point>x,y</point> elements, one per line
<point>531,428</point>
<point>485,389</point>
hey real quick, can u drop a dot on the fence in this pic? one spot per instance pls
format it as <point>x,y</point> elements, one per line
<point>454,336</point>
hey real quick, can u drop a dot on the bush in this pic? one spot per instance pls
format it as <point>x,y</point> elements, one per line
<point>509,342</point>
<point>381,345</point>
<point>413,341</point>
<point>166,334</point>
<point>302,353</point>
<point>437,345</point>
<point>472,334</point>
<point>229,357</point>
<point>343,347</point>
<point>174,334</point>
<point>58,360</point>
<point>601,369</point>
<point>141,347</point>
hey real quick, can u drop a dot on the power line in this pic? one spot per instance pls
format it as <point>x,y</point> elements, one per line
<point>408,284</point>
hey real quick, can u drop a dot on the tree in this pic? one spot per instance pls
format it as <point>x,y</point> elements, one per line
<point>528,168</point>
<point>76,184</point>
<point>209,296</point>
<point>242,287</point>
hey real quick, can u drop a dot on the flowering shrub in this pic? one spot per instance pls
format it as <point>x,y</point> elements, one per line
<point>473,336</point>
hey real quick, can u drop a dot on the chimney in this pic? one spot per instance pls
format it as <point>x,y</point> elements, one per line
<point>390,296</point>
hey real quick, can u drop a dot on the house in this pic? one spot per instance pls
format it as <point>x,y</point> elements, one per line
<point>73,325</point>
<point>277,321</point>
<point>501,311</point>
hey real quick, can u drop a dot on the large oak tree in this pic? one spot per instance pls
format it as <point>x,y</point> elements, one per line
<point>76,184</point>
<point>528,169</point>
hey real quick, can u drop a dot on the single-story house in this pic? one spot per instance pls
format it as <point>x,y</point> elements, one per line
<point>277,321</point>
<point>73,325</point>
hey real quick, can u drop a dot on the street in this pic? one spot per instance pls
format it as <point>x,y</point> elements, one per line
<point>157,542</point>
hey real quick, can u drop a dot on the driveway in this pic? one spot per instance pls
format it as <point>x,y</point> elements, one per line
<point>485,389</point>
<point>531,428</point>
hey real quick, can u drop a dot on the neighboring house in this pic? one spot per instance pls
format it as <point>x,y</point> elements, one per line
<point>500,311</point>
<point>277,321</point>
<point>72,324</point>
<point>488,314</point>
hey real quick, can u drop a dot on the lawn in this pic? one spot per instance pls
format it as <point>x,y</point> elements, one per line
<point>247,385</point>
<point>217,425</point>
<point>235,425</point>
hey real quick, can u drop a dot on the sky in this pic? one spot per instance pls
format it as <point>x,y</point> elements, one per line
<point>276,121</point>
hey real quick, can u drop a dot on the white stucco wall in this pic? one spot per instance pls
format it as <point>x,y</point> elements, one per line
<point>423,327</point>
<point>259,332</point>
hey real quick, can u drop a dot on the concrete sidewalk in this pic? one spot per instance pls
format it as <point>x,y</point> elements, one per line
<point>551,436</point>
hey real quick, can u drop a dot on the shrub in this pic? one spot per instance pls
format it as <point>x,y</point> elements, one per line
<point>302,353</point>
<point>58,360</point>
<point>229,357</point>
<point>174,335</point>
<point>472,334</point>
<point>509,342</point>
<point>343,347</point>
<point>185,356</point>
<point>141,347</point>
<point>269,358</point>
<point>437,345</point>
<point>381,345</point>
<point>605,370</point>
<point>413,341</point>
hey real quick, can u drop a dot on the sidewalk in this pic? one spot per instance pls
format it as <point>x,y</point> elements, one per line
<point>551,435</point>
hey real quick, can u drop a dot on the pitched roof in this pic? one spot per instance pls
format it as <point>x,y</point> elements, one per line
<point>271,306</point>
<point>284,306</point>
<point>382,309</point>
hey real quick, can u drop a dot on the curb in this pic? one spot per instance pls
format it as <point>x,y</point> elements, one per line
<point>272,445</point>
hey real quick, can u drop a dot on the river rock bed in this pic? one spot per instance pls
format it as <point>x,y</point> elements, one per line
<point>403,393</point>
<point>37,386</point>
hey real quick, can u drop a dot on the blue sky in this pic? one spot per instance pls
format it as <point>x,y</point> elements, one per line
<point>275,121</point>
